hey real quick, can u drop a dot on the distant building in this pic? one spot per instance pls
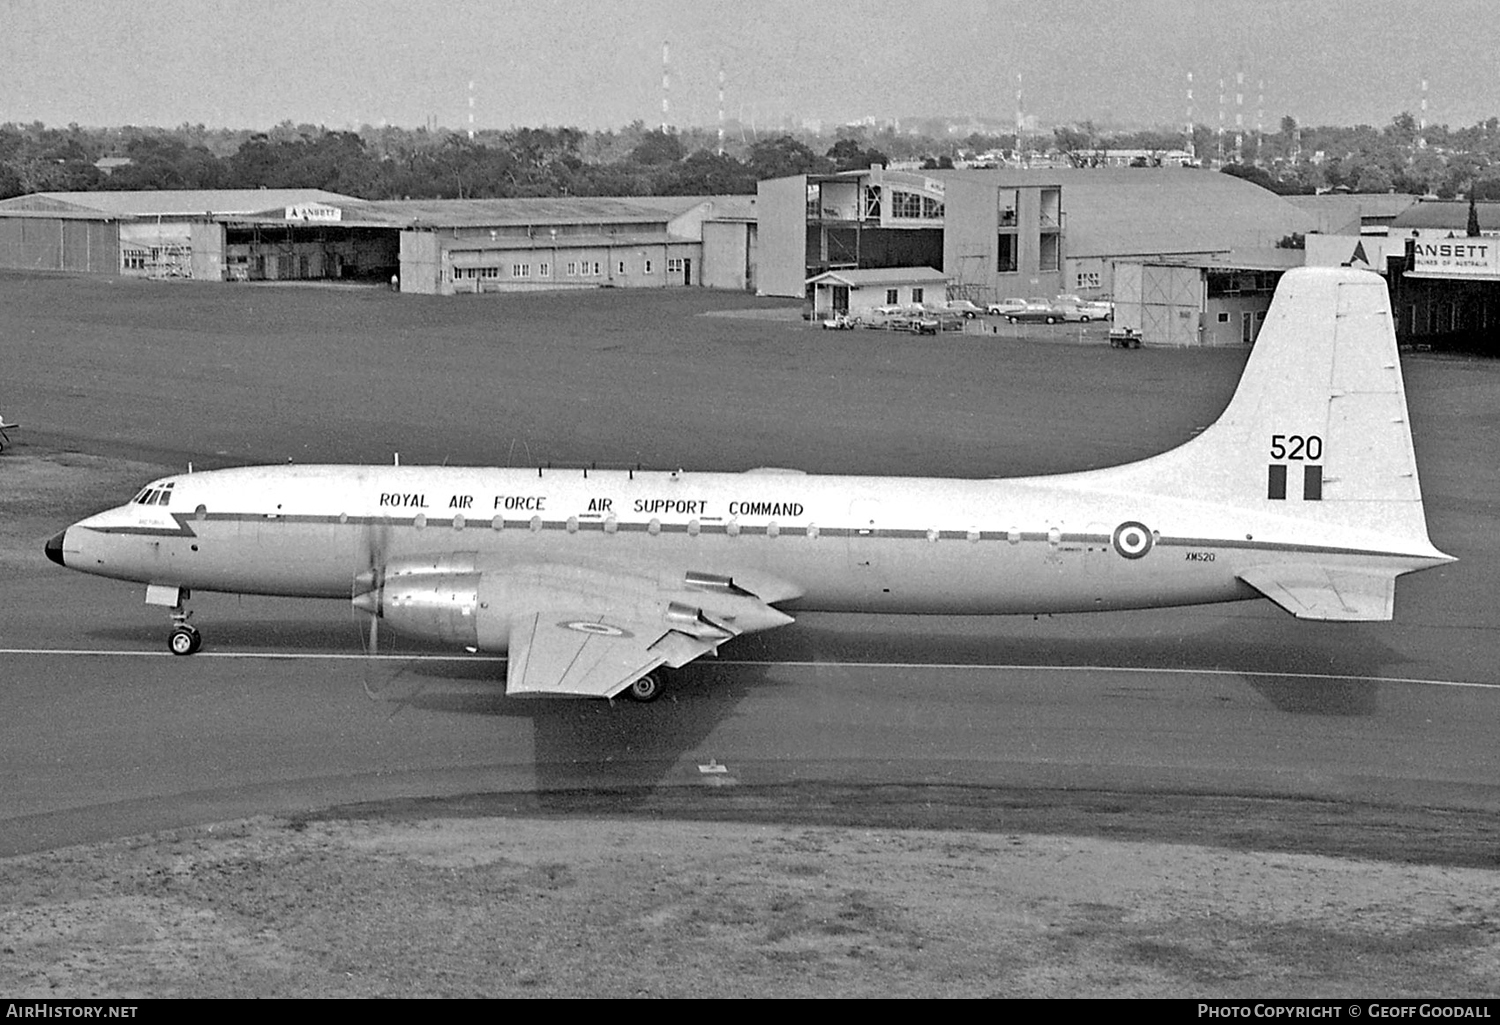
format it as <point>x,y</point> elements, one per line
<point>1437,218</point>
<point>438,247</point>
<point>1444,284</point>
<point>858,292</point>
<point>1007,232</point>
<point>203,234</point>
<point>1202,300</point>
<point>1354,213</point>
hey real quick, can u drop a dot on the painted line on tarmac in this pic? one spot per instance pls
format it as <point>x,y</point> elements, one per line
<point>331,656</point>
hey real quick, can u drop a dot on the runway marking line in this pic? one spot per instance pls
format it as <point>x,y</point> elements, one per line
<point>350,656</point>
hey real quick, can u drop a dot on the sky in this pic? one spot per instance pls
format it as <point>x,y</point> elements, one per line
<point>594,64</point>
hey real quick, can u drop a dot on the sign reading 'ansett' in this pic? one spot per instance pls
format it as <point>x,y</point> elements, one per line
<point>314,212</point>
<point>1457,256</point>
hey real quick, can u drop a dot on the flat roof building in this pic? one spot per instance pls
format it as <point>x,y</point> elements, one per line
<point>1012,232</point>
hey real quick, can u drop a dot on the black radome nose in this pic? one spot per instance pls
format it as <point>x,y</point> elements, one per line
<point>54,548</point>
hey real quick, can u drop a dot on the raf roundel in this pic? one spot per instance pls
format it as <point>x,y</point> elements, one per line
<point>597,629</point>
<point>1132,539</point>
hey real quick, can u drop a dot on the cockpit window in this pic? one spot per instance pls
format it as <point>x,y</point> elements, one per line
<point>154,496</point>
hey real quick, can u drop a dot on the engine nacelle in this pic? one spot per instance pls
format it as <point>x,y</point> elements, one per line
<point>438,606</point>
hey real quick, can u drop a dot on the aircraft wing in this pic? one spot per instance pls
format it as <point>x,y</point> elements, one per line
<point>1320,592</point>
<point>572,647</point>
<point>589,656</point>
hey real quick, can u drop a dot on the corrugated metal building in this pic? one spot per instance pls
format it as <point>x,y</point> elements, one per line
<point>495,245</point>
<point>171,234</point>
<point>59,240</point>
<point>437,247</point>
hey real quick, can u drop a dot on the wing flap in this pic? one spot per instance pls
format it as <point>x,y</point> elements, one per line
<point>596,657</point>
<point>678,649</point>
<point>1324,593</point>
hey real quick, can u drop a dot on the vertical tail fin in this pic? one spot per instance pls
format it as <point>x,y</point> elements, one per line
<point>1318,427</point>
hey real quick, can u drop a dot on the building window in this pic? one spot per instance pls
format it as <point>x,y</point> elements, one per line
<point>646,267</point>
<point>544,270</point>
<point>620,267</point>
<point>1051,213</point>
<point>1006,264</point>
<point>1007,208</point>
<point>520,270</point>
<point>674,266</point>
<point>1086,279</point>
<point>1223,318</point>
<point>1050,257</point>
<point>906,204</point>
<point>872,202</point>
<point>931,209</point>
<point>916,295</point>
<point>890,297</point>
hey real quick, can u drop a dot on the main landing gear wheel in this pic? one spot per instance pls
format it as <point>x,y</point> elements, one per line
<point>646,689</point>
<point>184,640</point>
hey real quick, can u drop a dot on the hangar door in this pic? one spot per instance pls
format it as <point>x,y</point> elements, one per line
<point>1162,302</point>
<point>1171,298</point>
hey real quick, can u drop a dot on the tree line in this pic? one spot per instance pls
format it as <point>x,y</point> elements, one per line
<point>397,163</point>
<point>394,163</point>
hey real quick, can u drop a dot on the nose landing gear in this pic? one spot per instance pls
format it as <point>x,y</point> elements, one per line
<point>184,638</point>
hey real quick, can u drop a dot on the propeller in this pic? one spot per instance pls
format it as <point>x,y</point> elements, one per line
<point>369,583</point>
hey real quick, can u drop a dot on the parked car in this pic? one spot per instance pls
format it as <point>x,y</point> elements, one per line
<point>839,322</point>
<point>1074,308</point>
<point>963,308</point>
<point>1005,307</point>
<point>1036,311</point>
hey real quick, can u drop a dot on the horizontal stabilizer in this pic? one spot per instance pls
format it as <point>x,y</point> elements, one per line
<point>1318,592</point>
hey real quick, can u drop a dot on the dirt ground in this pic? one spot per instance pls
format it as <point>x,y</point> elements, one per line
<point>612,907</point>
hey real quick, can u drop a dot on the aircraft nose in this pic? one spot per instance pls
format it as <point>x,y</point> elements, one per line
<point>54,548</point>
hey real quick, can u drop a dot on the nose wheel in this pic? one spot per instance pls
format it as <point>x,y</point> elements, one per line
<point>184,638</point>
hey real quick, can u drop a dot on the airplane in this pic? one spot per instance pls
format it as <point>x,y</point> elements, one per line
<point>1304,491</point>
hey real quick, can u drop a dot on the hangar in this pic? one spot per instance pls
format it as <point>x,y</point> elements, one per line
<point>497,245</point>
<point>1441,261</point>
<point>1013,232</point>
<point>211,235</point>
<point>437,247</point>
<point>1199,300</point>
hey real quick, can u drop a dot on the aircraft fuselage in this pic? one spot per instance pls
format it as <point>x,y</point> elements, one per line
<point>865,544</point>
